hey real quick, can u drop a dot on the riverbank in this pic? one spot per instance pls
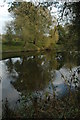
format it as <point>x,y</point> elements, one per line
<point>7,53</point>
<point>18,46</point>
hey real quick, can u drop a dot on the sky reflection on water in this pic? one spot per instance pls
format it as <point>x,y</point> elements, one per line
<point>23,75</point>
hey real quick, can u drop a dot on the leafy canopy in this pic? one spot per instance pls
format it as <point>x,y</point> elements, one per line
<point>32,24</point>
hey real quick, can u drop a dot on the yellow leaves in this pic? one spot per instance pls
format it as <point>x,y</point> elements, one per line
<point>32,23</point>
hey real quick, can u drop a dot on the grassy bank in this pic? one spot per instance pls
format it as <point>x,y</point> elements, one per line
<point>19,46</point>
<point>13,46</point>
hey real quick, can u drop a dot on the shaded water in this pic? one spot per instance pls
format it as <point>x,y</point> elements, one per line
<point>39,74</point>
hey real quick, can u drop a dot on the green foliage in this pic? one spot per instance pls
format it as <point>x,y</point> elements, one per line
<point>32,25</point>
<point>69,35</point>
<point>9,35</point>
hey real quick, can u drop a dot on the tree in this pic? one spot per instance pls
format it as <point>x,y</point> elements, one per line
<point>70,13</point>
<point>32,24</point>
<point>9,33</point>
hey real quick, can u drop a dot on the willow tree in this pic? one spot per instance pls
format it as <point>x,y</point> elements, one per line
<point>33,24</point>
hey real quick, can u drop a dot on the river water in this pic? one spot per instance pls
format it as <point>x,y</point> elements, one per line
<point>39,74</point>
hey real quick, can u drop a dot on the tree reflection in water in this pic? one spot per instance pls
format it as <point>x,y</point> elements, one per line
<point>35,73</point>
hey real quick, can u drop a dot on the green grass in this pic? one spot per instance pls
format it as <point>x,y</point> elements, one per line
<point>18,47</point>
<point>13,46</point>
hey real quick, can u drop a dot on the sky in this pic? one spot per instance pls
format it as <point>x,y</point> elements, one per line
<point>5,15</point>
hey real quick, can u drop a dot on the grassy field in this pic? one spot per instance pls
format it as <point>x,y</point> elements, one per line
<point>13,46</point>
<point>19,46</point>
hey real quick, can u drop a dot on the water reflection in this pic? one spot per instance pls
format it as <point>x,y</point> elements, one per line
<point>43,73</point>
<point>32,74</point>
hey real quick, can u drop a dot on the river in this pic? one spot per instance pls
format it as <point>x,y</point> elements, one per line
<point>39,74</point>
